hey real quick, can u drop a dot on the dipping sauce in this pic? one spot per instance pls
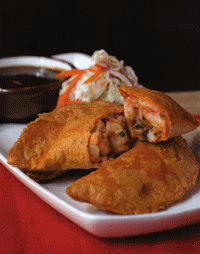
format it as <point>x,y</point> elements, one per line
<point>26,76</point>
<point>28,87</point>
<point>26,91</point>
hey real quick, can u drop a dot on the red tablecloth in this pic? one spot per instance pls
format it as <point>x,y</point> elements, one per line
<point>29,225</point>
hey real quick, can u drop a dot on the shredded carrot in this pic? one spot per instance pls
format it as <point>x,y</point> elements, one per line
<point>64,98</point>
<point>92,69</point>
<point>67,74</point>
<point>100,66</point>
<point>94,76</point>
<point>103,83</point>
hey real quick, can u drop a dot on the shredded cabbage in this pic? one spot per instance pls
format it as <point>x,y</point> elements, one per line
<point>114,76</point>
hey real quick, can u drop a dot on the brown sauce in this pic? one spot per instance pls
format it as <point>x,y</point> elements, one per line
<point>26,76</point>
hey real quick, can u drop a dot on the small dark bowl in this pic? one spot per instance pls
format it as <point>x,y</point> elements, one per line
<point>23,103</point>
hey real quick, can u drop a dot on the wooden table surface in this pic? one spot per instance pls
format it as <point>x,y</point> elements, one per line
<point>190,100</point>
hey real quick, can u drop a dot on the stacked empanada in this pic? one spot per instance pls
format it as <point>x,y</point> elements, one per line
<point>154,172</point>
<point>143,164</point>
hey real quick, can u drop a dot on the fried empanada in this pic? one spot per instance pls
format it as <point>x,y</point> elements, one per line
<point>153,116</point>
<point>43,176</point>
<point>82,135</point>
<point>144,179</point>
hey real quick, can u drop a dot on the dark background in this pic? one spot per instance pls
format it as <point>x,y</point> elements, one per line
<point>159,39</point>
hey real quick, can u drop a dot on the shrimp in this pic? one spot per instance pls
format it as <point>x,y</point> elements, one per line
<point>143,121</point>
<point>101,141</point>
<point>115,130</point>
<point>99,144</point>
<point>108,138</point>
<point>130,112</point>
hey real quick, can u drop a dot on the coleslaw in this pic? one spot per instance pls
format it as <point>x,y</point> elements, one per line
<point>99,82</point>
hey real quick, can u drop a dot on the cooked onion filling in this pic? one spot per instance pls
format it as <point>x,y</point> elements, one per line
<point>108,138</point>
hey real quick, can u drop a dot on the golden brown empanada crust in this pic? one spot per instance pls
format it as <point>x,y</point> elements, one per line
<point>59,140</point>
<point>177,120</point>
<point>145,179</point>
<point>43,176</point>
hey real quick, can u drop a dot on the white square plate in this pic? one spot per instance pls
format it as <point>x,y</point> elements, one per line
<point>92,219</point>
<point>100,223</point>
